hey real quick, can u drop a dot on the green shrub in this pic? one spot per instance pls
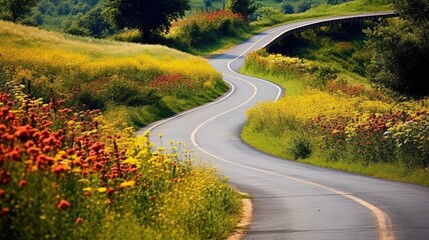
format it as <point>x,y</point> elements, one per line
<point>90,100</point>
<point>204,27</point>
<point>300,146</point>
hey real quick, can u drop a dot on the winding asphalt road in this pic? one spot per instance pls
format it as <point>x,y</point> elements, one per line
<point>292,200</point>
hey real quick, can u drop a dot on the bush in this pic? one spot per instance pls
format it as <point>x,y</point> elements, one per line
<point>400,58</point>
<point>300,147</point>
<point>203,27</point>
<point>90,100</point>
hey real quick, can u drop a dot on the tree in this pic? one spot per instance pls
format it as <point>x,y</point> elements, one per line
<point>243,7</point>
<point>287,7</point>
<point>400,58</point>
<point>17,8</point>
<point>416,11</point>
<point>149,16</point>
<point>304,6</point>
<point>400,50</point>
<point>95,24</point>
<point>208,3</point>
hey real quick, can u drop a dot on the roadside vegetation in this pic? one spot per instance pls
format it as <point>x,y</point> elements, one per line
<point>69,174</point>
<point>342,115</point>
<point>71,166</point>
<point>131,83</point>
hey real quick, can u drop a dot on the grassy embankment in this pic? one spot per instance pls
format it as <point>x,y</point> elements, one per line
<point>330,115</point>
<point>131,83</point>
<point>71,173</point>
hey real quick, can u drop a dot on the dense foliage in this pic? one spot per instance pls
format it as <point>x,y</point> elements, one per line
<point>401,50</point>
<point>69,174</point>
<point>207,27</point>
<point>150,17</point>
<point>17,8</point>
<point>243,7</point>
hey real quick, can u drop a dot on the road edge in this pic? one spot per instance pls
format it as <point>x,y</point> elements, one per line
<point>239,231</point>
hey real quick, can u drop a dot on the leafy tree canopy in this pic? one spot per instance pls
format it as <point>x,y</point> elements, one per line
<point>400,50</point>
<point>149,16</point>
<point>416,11</point>
<point>17,8</point>
<point>243,7</point>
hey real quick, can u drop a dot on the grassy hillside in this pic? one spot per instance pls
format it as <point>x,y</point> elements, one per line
<point>134,83</point>
<point>326,10</point>
<point>71,174</point>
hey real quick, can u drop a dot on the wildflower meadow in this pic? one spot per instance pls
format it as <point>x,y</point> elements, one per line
<point>71,166</point>
<point>135,83</point>
<point>70,174</point>
<point>334,123</point>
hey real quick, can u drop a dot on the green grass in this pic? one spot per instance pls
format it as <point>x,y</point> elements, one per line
<point>325,10</point>
<point>291,83</point>
<point>220,46</point>
<point>277,146</point>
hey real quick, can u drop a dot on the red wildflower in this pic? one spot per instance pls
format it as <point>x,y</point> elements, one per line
<point>42,159</point>
<point>4,111</point>
<point>110,191</point>
<point>22,132</point>
<point>79,220</point>
<point>29,144</point>
<point>4,211</point>
<point>2,128</point>
<point>2,192</point>
<point>60,168</point>
<point>63,205</point>
<point>33,151</point>
<point>15,154</point>
<point>22,184</point>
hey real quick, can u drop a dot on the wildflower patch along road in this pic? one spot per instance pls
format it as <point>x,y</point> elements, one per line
<point>292,200</point>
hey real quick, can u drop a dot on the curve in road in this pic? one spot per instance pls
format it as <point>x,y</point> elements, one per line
<point>292,200</point>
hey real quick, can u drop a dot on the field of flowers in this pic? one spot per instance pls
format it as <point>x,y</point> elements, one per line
<point>337,121</point>
<point>70,174</point>
<point>119,78</point>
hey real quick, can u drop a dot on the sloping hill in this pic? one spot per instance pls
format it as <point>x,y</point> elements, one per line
<point>138,82</point>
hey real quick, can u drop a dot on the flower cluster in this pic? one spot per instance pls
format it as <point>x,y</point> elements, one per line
<point>173,84</point>
<point>351,125</point>
<point>64,171</point>
<point>102,74</point>
<point>202,27</point>
<point>261,61</point>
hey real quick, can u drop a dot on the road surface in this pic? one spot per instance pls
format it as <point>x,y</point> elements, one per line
<point>292,200</point>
